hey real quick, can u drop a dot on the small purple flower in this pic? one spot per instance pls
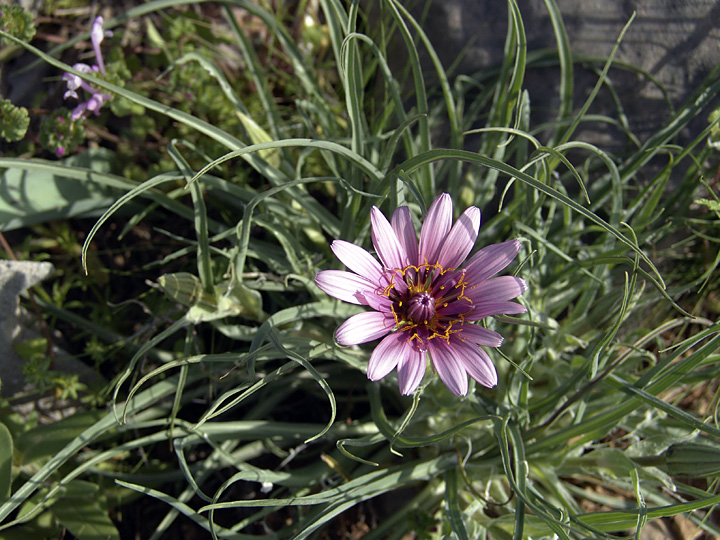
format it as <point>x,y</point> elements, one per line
<point>97,34</point>
<point>74,82</point>
<point>422,299</point>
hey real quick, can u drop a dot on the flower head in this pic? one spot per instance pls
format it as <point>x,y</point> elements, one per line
<point>97,34</point>
<point>423,301</point>
<point>74,82</point>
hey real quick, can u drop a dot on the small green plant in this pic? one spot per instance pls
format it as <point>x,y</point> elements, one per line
<point>16,22</point>
<point>14,121</point>
<point>38,370</point>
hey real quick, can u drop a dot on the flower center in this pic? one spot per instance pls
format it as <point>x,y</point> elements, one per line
<point>427,301</point>
<point>421,308</point>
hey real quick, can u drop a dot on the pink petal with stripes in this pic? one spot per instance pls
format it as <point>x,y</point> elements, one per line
<point>435,228</point>
<point>364,327</point>
<point>461,239</point>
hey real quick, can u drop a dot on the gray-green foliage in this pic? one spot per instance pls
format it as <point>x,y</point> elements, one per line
<point>17,22</point>
<point>278,431</point>
<point>14,121</point>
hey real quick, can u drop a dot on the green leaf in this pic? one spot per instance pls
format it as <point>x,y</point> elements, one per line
<point>48,439</point>
<point>82,513</point>
<point>454,512</point>
<point>711,205</point>
<point>35,196</point>
<point>259,135</point>
<point>6,452</point>
<point>14,121</point>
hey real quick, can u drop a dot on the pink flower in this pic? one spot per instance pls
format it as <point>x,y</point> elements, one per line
<point>97,34</point>
<point>422,301</point>
<point>97,98</point>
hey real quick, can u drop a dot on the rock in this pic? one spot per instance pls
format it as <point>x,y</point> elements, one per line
<point>677,43</point>
<point>16,277</point>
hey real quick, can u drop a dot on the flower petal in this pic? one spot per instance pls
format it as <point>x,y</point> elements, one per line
<point>78,111</point>
<point>396,280</point>
<point>435,228</point>
<point>461,306</point>
<point>379,302</point>
<point>446,284</point>
<point>386,355</point>
<point>345,286</point>
<point>83,68</point>
<point>73,83</point>
<point>496,289</point>
<point>411,369</point>
<point>448,366</point>
<point>404,228</point>
<point>364,327</point>
<point>461,239</point>
<point>358,260</point>
<point>387,245</point>
<point>476,362</point>
<point>495,308</point>
<point>96,36</point>
<point>490,260</point>
<point>478,335</point>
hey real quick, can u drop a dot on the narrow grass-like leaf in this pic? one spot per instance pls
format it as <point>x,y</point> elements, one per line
<point>6,453</point>
<point>368,440</point>
<point>516,472</point>
<point>259,77</point>
<point>354,492</point>
<point>449,99</point>
<point>185,510</point>
<point>201,220</point>
<point>272,336</point>
<point>108,422</point>
<point>435,155</point>
<point>124,375</point>
<point>630,283</point>
<point>607,419</point>
<point>566,65</point>
<point>593,93</point>
<point>683,416</point>
<point>618,520</point>
<point>398,106</point>
<point>427,187</point>
<point>453,507</point>
<point>135,192</point>
<point>391,434</point>
<point>538,237</point>
<point>361,162</point>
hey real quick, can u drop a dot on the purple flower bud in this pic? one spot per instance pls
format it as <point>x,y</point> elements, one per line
<point>74,82</point>
<point>78,111</point>
<point>97,34</point>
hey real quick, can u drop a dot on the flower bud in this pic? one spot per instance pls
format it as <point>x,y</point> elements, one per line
<point>692,459</point>
<point>187,290</point>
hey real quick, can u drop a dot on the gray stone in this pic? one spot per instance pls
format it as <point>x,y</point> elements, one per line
<point>15,277</point>
<point>675,41</point>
